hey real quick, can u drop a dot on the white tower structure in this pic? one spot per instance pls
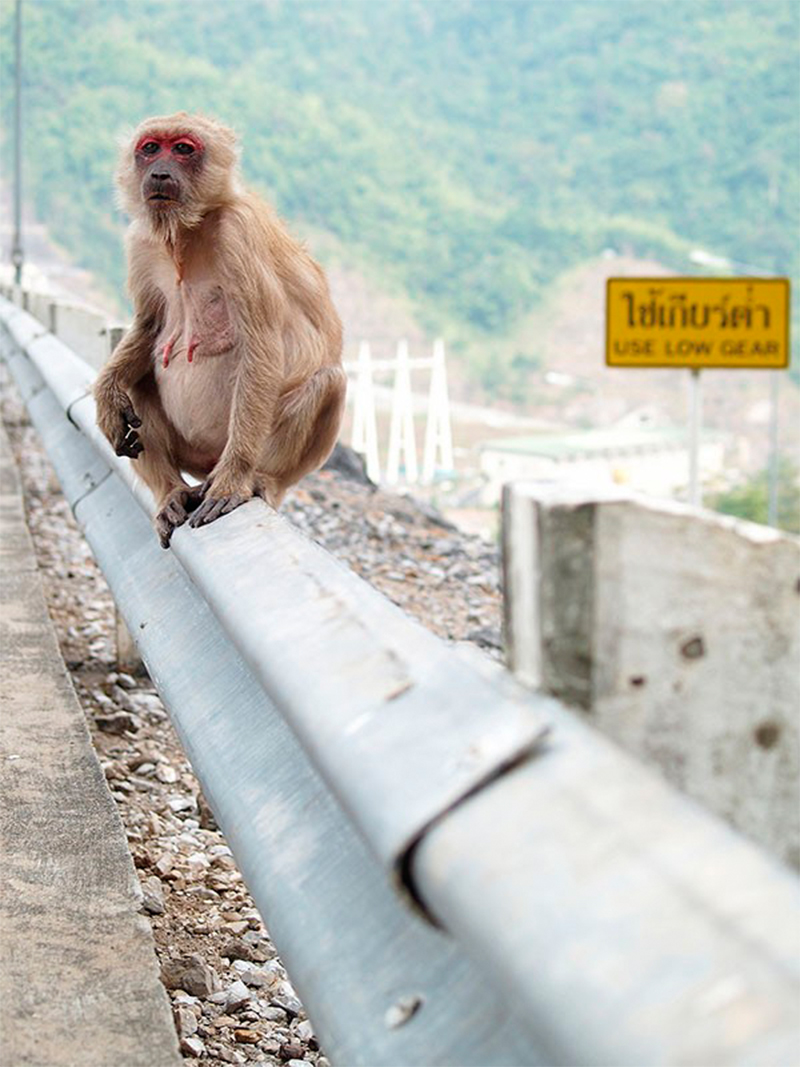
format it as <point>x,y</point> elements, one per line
<point>401,430</point>
<point>438,435</point>
<point>365,429</point>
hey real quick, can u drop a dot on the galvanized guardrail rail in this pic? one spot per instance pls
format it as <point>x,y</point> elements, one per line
<point>454,870</point>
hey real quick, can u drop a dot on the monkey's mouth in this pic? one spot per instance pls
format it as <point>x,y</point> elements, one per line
<point>161,197</point>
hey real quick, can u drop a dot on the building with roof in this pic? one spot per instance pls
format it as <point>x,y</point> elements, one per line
<point>650,460</point>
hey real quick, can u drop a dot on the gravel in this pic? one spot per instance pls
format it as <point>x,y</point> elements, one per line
<point>233,1001</point>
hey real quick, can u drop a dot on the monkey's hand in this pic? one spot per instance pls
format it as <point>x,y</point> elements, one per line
<point>222,493</point>
<point>175,510</point>
<point>128,443</point>
<point>119,422</point>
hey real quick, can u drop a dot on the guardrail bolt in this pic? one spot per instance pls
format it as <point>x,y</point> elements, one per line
<point>403,1010</point>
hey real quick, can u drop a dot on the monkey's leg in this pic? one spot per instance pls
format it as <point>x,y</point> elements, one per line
<point>157,466</point>
<point>307,423</point>
<point>309,419</point>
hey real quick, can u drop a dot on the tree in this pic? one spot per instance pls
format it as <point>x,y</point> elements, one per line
<point>750,499</point>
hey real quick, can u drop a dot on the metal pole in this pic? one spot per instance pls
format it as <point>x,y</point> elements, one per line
<point>695,428</point>
<point>17,255</point>
<point>772,506</point>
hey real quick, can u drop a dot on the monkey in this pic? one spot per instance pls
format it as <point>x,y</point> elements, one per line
<point>231,371</point>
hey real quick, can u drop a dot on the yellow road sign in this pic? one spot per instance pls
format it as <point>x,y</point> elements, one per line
<point>697,322</point>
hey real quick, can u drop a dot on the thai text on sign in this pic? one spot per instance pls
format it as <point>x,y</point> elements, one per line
<point>697,322</point>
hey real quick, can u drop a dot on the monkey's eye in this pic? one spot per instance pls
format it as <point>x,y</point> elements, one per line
<point>183,148</point>
<point>150,148</point>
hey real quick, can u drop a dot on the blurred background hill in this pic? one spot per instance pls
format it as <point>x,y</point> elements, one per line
<point>463,169</point>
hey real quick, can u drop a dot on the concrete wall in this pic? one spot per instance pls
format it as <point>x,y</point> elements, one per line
<point>86,332</point>
<point>676,631</point>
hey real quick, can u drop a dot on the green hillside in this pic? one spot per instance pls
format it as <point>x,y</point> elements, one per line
<point>463,153</point>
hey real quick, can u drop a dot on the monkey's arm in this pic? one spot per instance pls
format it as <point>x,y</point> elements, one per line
<point>131,361</point>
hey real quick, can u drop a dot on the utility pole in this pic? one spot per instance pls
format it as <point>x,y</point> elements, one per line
<point>17,255</point>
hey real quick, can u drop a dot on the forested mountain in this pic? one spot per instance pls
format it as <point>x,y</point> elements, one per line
<point>464,153</point>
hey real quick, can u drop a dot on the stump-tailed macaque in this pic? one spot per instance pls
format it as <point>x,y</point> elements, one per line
<point>231,371</point>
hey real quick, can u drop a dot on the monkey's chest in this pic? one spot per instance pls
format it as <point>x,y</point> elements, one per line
<point>198,323</point>
<point>207,320</point>
<point>195,364</point>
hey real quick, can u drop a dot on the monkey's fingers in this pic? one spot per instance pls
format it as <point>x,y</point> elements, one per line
<point>131,450</point>
<point>175,512</point>
<point>130,418</point>
<point>129,445</point>
<point>165,529</point>
<point>212,509</point>
<point>171,516</point>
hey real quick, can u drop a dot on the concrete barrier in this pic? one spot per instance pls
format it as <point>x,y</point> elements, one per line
<point>79,981</point>
<point>676,631</point>
<point>82,330</point>
<point>79,327</point>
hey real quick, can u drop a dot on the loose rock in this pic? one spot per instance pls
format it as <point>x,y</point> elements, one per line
<point>235,996</point>
<point>116,723</point>
<point>237,949</point>
<point>191,973</point>
<point>251,975</point>
<point>153,896</point>
<point>192,1046</point>
<point>291,1005</point>
<point>290,1051</point>
<point>185,1021</point>
<point>247,1037</point>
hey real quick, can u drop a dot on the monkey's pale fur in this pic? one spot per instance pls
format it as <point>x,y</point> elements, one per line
<point>233,363</point>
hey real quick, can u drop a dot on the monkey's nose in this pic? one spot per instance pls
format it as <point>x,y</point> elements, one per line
<point>160,177</point>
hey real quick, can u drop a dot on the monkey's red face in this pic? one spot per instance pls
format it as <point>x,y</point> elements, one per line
<point>167,166</point>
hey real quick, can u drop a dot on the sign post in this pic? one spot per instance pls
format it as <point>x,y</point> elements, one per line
<point>695,432</point>
<point>699,323</point>
<point>772,500</point>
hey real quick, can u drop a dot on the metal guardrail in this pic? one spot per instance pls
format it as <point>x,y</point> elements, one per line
<point>356,764</point>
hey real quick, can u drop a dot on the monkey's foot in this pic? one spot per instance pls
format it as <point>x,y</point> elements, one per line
<point>214,507</point>
<point>175,511</point>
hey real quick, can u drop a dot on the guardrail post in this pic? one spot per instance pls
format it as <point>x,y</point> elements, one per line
<point>128,658</point>
<point>676,632</point>
<point>115,335</point>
